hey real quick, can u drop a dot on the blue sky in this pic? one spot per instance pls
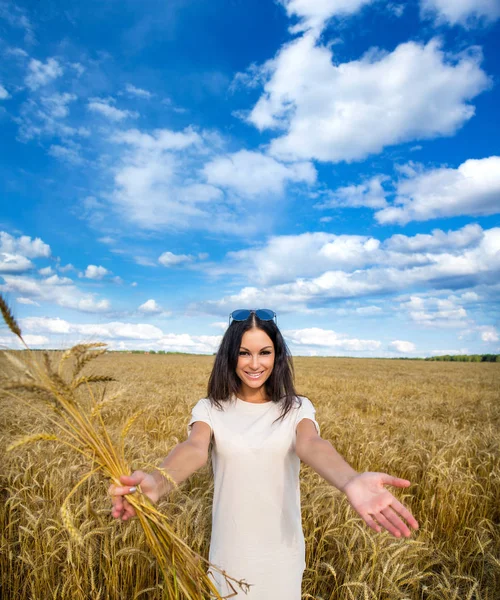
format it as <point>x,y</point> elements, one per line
<point>338,161</point>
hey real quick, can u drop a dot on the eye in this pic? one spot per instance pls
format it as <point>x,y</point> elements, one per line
<point>266,352</point>
<point>243,352</point>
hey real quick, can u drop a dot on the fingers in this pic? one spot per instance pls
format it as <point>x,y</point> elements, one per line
<point>134,479</point>
<point>389,520</point>
<point>396,481</point>
<point>405,513</point>
<point>396,526</point>
<point>372,524</point>
<point>124,512</point>
<point>117,490</point>
<point>122,509</point>
<point>386,522</point>
<point>128,512</point>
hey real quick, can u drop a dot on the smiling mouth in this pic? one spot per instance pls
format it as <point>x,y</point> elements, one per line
<point>254,375</point>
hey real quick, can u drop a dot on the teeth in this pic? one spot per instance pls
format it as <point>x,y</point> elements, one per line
<point>254,375</point>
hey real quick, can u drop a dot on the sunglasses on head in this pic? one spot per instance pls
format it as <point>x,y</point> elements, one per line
<point>242,314</point>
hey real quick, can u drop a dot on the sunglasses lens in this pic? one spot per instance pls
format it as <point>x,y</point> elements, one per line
<point>240,315</point>
<point>265,314</point>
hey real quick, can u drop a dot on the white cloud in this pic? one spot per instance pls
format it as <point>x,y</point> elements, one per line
<point>104,106</point>
<point>168,179</point>
<point>283,258</point>
<point>169,259</point>
<point>135,91</point>
<point>95,272</point>
<point>437,241</point>
<point>120,336</point>
<point>313,14</point>
<point>183,342</point>
<point>46,271</point>
<point>159,140</point>
<point>470,297</point>
<point>69,153</point>
<point>46,325</point>
<point>305,269</point>
<point>17,52</point>
<point>33,341</point>
<point>4,94</point>
<point>461,12</point>
<point>56,105</point>
<point>66,268</point>
<point>452,352</point>
<point>60,291</point>
<point>56,280</point>
<point>150,307</point>
<point>156,183</point>
<point>345,112</point>
<point>16,17</point>
<point>370,194</point>
<point>40,74</point>
<point>31,248</point>
<point>326,339</point>
<point>14,263</point>
<point>489,334</point>
<point>107,240</point>
<point>144,261</point>
<point>472,189</point>
<point>78,67</point>
<point>436,312</point>
<point>253,174</point>
<point>16,252</point>
<point>46,117</point>
<point>111,330</point>
<point>403,347</point>
<point>396,9</point>
<point>27,301</point>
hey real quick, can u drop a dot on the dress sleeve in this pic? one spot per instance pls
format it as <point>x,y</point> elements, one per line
<point>306,411</point>
<point>201,412</point>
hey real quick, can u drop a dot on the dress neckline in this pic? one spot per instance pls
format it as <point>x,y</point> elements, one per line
<point>254,403</point>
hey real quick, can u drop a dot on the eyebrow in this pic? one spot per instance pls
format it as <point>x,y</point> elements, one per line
<point>265,348</point>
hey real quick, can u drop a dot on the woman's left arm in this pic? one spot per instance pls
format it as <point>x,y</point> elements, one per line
<point>365,491</point>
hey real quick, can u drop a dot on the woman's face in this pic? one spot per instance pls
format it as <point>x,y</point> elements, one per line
<point>255,360</point>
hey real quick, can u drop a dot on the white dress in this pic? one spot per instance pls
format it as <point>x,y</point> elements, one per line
<point>256,519</point>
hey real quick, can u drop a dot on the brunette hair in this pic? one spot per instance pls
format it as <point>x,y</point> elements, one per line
<point>224,383</point>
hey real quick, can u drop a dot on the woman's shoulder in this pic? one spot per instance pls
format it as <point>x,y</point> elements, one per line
<point>301,400</point>
<point>210,404</point>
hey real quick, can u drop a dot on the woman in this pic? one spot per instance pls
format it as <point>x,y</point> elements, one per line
<point>261,430</point>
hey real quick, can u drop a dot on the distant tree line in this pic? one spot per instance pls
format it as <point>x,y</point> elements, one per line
<point>154,352</point>
<point>445,357</point>
<point>468,357</point>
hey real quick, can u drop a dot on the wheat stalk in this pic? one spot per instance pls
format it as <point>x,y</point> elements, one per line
<point>85,432</point>
<point>9,319</point>
<point>28,439</point>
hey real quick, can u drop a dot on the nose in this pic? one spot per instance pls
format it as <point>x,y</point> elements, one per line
<point>254,363</point>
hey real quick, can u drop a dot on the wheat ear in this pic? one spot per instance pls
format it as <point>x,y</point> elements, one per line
<point>9,319</point>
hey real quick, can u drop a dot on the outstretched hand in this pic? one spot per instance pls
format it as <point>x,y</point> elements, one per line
<point>376,505</point>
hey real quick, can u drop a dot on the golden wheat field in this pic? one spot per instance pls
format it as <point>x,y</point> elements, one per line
<point>436,424</point>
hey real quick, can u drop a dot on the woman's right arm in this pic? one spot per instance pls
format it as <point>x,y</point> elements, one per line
<point>183,460</point>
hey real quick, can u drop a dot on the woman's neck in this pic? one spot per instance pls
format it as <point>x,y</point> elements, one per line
<point>249,394</point>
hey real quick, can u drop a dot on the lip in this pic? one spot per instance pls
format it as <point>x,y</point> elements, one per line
<point>254,375</point>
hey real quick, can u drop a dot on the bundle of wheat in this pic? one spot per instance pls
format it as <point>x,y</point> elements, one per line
<point>71,406</point>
